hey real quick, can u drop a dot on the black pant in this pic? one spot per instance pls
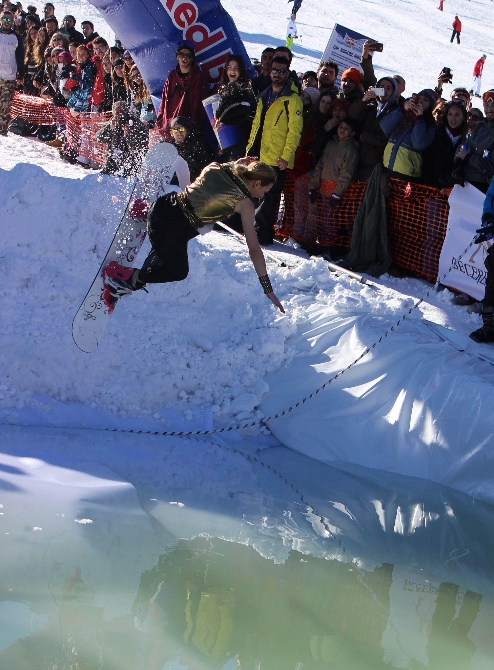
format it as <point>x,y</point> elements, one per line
<point>267,213</point>
<point>457,36</point>
<point>488,300</point>
<point>169,232</point>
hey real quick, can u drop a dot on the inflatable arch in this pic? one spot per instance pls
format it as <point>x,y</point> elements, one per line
<point>151,30</point>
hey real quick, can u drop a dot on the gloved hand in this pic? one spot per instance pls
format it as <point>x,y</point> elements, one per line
<point>313,195</point>
<point>138,209</point>
<point>487,231</point>
<point>334,200</point>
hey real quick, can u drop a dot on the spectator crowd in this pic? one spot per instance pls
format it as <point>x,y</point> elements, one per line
<point>322,130</point>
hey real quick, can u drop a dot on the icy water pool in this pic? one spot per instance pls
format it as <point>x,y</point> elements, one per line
<point>125,553</point>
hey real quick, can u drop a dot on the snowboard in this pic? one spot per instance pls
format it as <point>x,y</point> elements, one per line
<point>92,317</point>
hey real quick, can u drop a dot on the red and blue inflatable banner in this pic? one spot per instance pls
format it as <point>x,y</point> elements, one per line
<point>151,30</point>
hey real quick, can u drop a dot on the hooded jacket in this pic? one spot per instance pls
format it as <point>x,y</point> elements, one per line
<point>338,163</point>
<point>182,96</point>
<point>279,126</point>
<point>407,139</point>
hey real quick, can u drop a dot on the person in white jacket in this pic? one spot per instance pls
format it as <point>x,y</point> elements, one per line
<point>11,64</point>
<point>291,32</point>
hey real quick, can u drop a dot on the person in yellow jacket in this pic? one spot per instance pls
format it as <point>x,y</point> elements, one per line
<point>274,138</point>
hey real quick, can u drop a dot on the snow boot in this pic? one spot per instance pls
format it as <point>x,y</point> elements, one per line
<point>121,281</point>
<point>486,333</point>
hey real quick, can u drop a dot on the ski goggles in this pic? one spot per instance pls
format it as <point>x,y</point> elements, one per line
<point>178,129</point>
<point>488,95</point>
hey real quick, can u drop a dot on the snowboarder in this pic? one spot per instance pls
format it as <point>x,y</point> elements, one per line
<point>291,32</point>
<point>456,30</point>
<point>175,218</point>
<point>477,76</point>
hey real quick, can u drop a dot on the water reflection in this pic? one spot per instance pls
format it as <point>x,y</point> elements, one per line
<point>211,604</point>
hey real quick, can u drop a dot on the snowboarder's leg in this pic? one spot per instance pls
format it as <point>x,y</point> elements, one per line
<point>169,233</point>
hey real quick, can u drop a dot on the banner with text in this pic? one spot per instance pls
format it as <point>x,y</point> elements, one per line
<point>345,48</point>
<point>465,214</point>
<point>151,30</point>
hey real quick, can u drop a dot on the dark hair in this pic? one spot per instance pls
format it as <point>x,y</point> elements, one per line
<point>280,59</point>
<point>268,50</point>
<point>51,19</point>
<point>243,77</point>
<point>89,23</point>
<point>99,40</point>
<point>287,51</point>
<point>328,63</point>
<point>350,122</point>
<point>443,121</point>
<point>309,73</point>
<point>70,16</point>
<point>49,4</point>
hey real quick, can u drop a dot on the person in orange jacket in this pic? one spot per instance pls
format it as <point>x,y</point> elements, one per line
<point>456,30</point>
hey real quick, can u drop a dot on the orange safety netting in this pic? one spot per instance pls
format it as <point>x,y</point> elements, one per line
<point>81,134</point>
<point>34,110</point>
<point>417,220</point>
<point>417,223</point>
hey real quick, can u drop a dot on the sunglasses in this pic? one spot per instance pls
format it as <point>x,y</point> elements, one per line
<point>136,76</point>
<point>58,39</point>
<point>186,56</point>
<point>127,57</point>
<point>275,70</point>
<point>117,67</point>
<point>459,101</point>
<point>475,116</point>
<point>7,19</point>
<point>178,129</point>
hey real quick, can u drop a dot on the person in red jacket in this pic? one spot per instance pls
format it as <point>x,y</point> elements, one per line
<point>100,47</point>
<point>183,92</point>
<point>477,76</point>
<point>456,30</point>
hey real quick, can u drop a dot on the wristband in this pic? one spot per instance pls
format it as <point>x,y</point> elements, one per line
<point>266,284</point>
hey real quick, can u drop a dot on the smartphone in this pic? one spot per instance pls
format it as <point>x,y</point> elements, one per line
<point>378,91</point>
<point>415,98</point>
<point>376,46</point>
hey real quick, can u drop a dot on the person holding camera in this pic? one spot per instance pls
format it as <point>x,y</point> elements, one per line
<point>127,139</point>
<point>377,103</point>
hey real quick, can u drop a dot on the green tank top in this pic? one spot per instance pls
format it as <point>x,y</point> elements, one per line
<point>213,196</point>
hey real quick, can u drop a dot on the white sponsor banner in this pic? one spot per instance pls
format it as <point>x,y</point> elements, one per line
<point>465,216</point>
<point>345,48</point>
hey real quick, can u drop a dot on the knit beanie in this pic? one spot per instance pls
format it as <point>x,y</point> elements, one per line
<point>340,102</point>
<point>353,74</point>
<point>431,96</point>
<point>313,92</point>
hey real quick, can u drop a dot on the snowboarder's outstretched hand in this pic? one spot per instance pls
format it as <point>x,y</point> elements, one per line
<point>276,302</point>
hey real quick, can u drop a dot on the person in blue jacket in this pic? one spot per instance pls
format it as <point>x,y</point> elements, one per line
<point>410,129</point>
<point>484,234</point>
<point>80,100</point>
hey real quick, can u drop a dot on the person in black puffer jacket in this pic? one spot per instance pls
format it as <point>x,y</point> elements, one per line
<point>191,145</point>
<point>237,106</point>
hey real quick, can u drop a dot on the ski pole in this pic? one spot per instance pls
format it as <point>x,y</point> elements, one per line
<point>241,237</point>
<point>336,268</point>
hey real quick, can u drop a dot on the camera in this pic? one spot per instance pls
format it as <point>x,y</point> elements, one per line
<point>447,75</point>
<point>376,46</point>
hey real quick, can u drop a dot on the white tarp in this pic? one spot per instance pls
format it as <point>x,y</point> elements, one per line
<point>465,214</point>
<point>414,405</point>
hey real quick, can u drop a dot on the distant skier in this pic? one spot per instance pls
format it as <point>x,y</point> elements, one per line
<point>456,30</point>
<point>441,5</point>
<point>291,32</point>
<point>477,76</point>
<point>296,6</point>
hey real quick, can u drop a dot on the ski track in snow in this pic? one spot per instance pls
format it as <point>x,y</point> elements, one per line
<point>193,353</point>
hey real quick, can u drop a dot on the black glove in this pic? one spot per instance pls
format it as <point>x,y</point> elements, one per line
<point>313,195</point>
<point>487,231</point>
<point>458,173</point>
<point>334,200</point>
